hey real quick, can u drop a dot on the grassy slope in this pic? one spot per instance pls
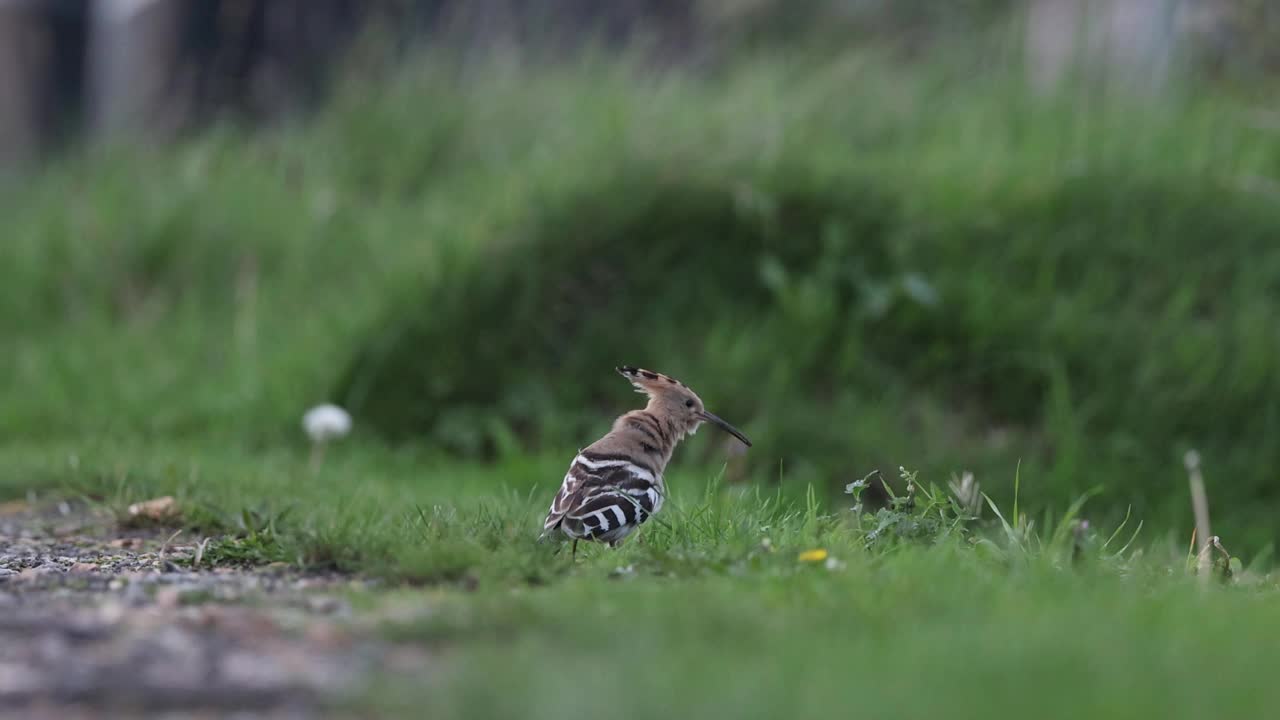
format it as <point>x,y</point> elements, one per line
<point>1103,272</point>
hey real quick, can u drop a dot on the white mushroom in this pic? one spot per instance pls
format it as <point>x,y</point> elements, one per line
<point>323,424</point>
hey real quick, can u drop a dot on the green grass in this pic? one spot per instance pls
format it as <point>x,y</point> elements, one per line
<point>916,611</point>
<point>917,634</point>
<point>927,634</point>
<point>864,265</point>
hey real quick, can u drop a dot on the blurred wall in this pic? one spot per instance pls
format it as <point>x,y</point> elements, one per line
<point>1132,41</point>
<point>154,67</point>
<point>41,56</point>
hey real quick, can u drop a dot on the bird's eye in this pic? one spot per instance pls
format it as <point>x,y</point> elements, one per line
<point>688,403</point>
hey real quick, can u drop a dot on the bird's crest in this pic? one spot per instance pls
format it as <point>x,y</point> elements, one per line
<point>672,400</point>
<point>649,382</point>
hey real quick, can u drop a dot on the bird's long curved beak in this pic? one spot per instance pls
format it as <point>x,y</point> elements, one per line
<point>720,423</point>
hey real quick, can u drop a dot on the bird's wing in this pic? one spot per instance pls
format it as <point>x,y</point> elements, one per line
<point>593,479</point>
<point>568,496</point>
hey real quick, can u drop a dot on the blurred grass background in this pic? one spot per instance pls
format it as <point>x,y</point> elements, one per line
<point>862,235</point>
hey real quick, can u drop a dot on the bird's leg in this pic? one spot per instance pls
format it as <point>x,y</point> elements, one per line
<point>574,556</point>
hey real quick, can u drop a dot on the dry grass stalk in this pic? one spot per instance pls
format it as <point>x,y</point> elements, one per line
<point>1200,506</point>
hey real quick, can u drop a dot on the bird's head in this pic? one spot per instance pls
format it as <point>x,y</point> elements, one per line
<point>676,402</point>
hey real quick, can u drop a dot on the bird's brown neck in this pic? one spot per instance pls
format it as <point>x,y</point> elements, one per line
<point>648,435</point>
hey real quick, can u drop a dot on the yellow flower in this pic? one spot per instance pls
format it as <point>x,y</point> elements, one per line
<point>817,555</point>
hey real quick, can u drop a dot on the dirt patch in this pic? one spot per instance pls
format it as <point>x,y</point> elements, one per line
<point>96,620</point>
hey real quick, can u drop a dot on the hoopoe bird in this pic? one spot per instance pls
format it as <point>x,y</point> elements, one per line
<point>615,483</point>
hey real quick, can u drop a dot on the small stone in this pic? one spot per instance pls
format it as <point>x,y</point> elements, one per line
<point>83,567</point>
<point>405,659</point>
<point>161,508</point>
<point>169,598</point>
<point>111,611</point>
<point>326,634</point>
<point>18,679</point>
<point>322,604</point>
<point>135,595</point>
<point>252,671</point>
<point>33,573</point>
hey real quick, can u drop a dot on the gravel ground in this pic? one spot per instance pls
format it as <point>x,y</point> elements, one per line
<point>98,621</point>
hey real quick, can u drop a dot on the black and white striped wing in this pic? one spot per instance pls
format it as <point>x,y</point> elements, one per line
<point>568,496</point>
<point>605,498</point>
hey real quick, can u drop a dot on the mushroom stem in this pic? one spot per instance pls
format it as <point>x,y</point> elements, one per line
<point>317,455</point>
